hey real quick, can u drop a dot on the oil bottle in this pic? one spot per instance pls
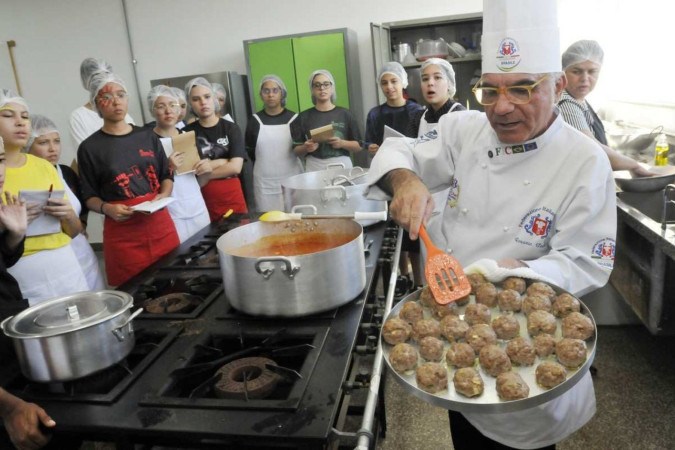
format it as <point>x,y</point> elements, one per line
<point>661,151</point>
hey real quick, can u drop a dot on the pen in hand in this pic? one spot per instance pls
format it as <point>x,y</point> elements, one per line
<point>51,188</point>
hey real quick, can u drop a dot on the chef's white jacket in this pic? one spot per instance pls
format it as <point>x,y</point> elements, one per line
<point>549,202</point>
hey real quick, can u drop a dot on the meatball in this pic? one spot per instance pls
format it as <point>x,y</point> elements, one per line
<point>426,297</point>
<point>541,322</point>
<point>460,354</point>
<point>432,377</point>
<point>411,312</point>
<point>521,351</point>
<point>571,353</point>
<point>565,304</point>
<point>509,300</point>
<point>514,283</point>
<point>577,326</point>
<point>539,288</point>
<point>494,360</point>
<point>468,382</point>
<point>439,311</point>
<point>477,313</point>
<point>550,374</point>
<point>425,327</point>
<point>431,348</point>
<point>486,294</point>
<point>544,345</point>
<point>463,301</point>
<point>536,302</point>
<point>506,326</point>
<point>396,331</point>
<point>480,335</point>
<point>510,386</point>
<point>453,328</point>
<point>403,357</point>
<point>476,279</point>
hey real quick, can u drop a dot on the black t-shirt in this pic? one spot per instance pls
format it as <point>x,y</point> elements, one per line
<point>344,127</point>
<point>11,300</point>
<point>122,167</point>
<point>73,182</point>
<point>221,141</point>
<point>253,127</point>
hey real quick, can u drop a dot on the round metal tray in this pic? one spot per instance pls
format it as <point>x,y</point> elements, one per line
<point>489,401</point>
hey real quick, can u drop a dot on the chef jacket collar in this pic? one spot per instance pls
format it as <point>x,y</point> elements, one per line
<point>501,152</point>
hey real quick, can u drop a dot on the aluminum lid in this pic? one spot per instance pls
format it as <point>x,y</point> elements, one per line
<point>66,314</point>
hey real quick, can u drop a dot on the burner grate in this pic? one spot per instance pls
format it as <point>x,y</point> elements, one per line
<point>176,295</point>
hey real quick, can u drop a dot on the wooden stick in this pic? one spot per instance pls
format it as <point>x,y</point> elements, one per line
<point>10,47</point>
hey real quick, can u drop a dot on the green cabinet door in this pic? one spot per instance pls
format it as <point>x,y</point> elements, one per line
<point>273,57</point>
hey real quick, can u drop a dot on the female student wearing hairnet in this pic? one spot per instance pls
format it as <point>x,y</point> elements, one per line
<point>120,167</point>
<point>45,143</point>
<point>188,211</point>
<point>182,101</point>
<point>48,267</point>
<point>222,142</point>
<point>270,145</point>
<point>221,97</point>
<point>582,62</point>
<point>346,138</point>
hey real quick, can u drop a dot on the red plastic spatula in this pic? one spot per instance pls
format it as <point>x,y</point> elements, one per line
<point>445,275</point>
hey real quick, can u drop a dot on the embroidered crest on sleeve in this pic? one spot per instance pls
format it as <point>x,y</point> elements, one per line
<point>603,252</point>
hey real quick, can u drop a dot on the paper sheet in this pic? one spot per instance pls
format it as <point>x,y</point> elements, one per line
<point>150,207</point>
<point>390,132</point>
<point>44,223</point>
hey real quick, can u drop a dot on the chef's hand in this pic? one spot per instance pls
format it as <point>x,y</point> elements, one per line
<point>310,146</point>
<point>412,203</point>
<point>22,421</point>
<point>203,167</point>
<point>176,160</point>
<point>13,216</point>
<point>373,148</point>
<point>639,171</point>
<point>118,212</point>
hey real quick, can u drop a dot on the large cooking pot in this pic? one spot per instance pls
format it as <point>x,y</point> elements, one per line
<point>73,336</point>
<point>335,190</point>
<point>292,268</point>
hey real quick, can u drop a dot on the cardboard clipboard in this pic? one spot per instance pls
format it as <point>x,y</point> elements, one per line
<point>321,134</point>
<point>44,223</point>
<point>187,144</point>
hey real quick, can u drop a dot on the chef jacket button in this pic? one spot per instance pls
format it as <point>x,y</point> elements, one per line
<point>464,210</point>
<point>505,229</point>
<point>526,182</point>
<point>448,250</point>
<point>483,165</point>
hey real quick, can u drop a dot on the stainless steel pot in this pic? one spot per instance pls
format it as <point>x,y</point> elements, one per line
<point>73,336</point>
<point>335,190</point>
<point>292,286</point>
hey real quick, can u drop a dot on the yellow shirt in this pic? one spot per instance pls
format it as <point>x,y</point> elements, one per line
<point>36,174</point>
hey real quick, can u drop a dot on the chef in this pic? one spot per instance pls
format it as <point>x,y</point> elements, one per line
<point>526,191</point>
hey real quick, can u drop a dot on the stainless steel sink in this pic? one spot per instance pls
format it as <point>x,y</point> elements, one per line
<point>649,203</point>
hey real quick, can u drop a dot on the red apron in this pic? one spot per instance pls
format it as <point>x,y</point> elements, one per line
<point>132,245</point>
<point>224,194</point>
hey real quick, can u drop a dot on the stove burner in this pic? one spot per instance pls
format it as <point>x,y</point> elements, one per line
<point>246,378</point>
<point>177,302</point>
<point>209,260</point>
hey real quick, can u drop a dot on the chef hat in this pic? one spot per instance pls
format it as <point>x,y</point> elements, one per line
<point>203,82</point>
<point>96,83</point>
<point>520,36</point>
<point>159,91</point>
<point>90,66</point>
<point>7,96</point>
<point>395,69</point>
<point>330,77</point>
<point>40,125</point>
<point>582,51</point>
<point>279,83</point>
<point>447,70</point>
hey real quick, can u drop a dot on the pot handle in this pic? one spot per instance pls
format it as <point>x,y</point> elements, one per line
<point>290,269</point>
<point>335,166</point>
<point>342,193</point>
<point>118,331</point>
<point>296,208</point>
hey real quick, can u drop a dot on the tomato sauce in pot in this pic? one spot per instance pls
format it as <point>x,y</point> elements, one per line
<point>292,244</point>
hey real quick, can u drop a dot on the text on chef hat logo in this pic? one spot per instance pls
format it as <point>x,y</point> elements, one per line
<point>508,55</point>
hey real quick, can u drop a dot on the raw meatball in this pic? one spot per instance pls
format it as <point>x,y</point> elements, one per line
<point>396,331</point>
<point>468,382</point>
<point>536,302</point>
<point>476,279</point>
<point>544,345</point>
<point>515,283</point>
<point>431,348</point>
<point>577,326</point>
<point>477,313</point>
<point>540,288</point>
<point>540,322</point>
<point>565,304</point>
<point>463,301</point>
<point>510,386</point>
<point>453,328</point>
<point>486,294</point>
<point>411,312</point>
<point>480,335</point>
<point>506,326</point>
<point>494,360</point>
<point>571,353</point>
<point>426,297</point>
<point>432,377</point>
<point>550,374</point>
<point>425,327</point>
<point>403,357</point>
<point>439,311</point>
<point>460,354</point>
<point>509,300</point>
<point>521,351</point>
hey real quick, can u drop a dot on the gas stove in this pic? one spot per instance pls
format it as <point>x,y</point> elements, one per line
<point>204,375</point>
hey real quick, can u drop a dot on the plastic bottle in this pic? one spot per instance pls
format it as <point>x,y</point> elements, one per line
<point>661,151</point>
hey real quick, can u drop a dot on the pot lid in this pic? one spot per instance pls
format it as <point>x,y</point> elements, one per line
<point>66,314</point>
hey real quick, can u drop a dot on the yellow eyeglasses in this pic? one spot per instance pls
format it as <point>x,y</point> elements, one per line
<point>519,95</point>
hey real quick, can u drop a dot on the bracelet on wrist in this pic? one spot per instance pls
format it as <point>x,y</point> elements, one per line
<point>102,205</point>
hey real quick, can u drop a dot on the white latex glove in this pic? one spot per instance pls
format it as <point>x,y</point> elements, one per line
<point>490,270</point>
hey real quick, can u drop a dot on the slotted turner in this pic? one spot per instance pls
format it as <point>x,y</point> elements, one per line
<point>443,273</point>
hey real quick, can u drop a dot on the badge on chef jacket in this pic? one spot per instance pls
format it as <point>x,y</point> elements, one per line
<point>603,252</point>
<point>536,226</point>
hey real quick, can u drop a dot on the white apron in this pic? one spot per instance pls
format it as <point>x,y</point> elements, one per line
<point>274,162</point>
<point>85,254</point>
<point>188,212</point>
<point>441,197</point>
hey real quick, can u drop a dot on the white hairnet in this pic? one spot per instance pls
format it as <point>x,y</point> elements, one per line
<point>159,91</point>
<point>582,51</point>
<point>96,83</point>
<point>330,77</point>
<point>395,69</point>
<point>7,96</point>
<point>90,66</point>
<point>279,83</point>
<point>40,125</point>
<point>446,69</point>
<point>201,81</point>
<point>219,89</point>
<point>179,94</point>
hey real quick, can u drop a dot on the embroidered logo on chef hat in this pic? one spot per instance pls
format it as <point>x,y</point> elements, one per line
<point>603,252</point>
<point>508,55</point>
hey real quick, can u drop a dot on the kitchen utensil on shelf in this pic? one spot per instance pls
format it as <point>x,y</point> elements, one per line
<point>279,216</point>
<point>431,48</point>
<point>401,51</point>
<point>445,275</point>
